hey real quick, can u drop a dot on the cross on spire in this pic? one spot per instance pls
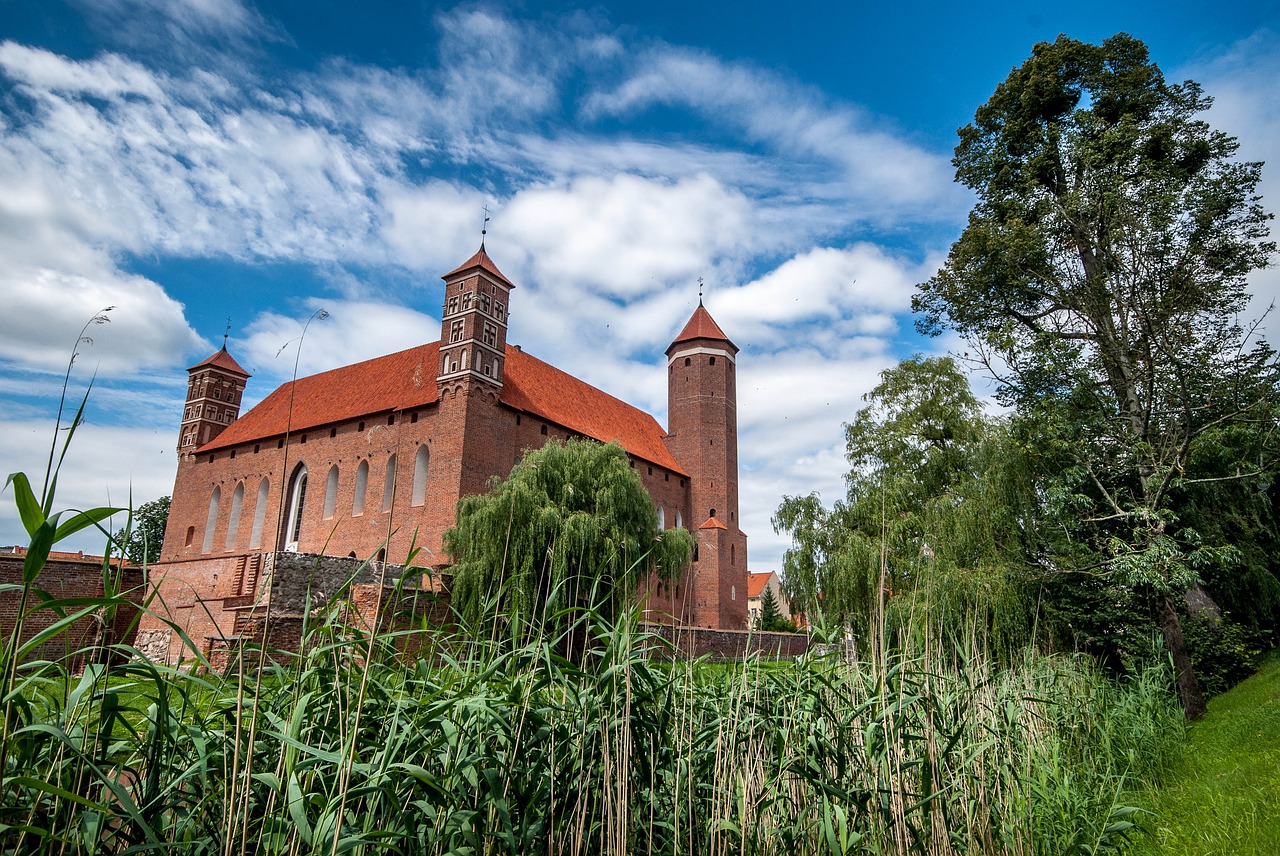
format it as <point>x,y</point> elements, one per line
<point>227,334</point>
<point>699,291</point>
<point>484,227</point>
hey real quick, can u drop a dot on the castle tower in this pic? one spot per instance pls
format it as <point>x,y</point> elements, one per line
<point>702,417</point>
<point>473,343</point>
<point>215,387</point>
<point>473,326</point>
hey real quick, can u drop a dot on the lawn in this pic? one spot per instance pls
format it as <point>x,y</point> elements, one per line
<point>1224,797</point>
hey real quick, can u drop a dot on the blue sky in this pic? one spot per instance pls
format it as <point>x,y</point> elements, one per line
<point>198,161</point>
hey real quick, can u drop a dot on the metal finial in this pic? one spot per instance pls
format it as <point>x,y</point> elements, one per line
<point>699,291</point>
<point>484,227</point>
<point>226,335</point>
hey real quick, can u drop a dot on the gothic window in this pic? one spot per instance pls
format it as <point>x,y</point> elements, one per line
<point>331,491</point>
<point>679,520</point>
<point>211,520</point>
<point>662,518</point>
<point>484,303</point>
<point>191,534</point>
<point>490,334</point>
<point>297,501</point>
<point>713,512</point>
<point>733,554</point>
<point>259,514</point>
<point>453,305</point>
<point>420,475</point>
<point>466,301</point>
<point>233,524</point>
<point>389,485</point>
<point>455,331</point>
<point>497,311</point>
<point>362,486</point>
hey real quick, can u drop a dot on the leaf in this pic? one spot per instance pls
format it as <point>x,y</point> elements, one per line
<point>25,499</point>
<point>81,520</point>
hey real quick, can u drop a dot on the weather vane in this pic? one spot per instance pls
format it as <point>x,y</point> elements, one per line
<point>226,335</point>
<point>484,227</point>
<point>699,291</point>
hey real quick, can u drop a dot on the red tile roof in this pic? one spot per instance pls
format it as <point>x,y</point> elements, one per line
<point>757,582</point>
<point>712,523</point>
<point>481,260</point>
<point>221,360</point>
<point>701,326</point>
<point>407,379</point>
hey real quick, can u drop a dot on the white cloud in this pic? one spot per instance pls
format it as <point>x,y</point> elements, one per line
<point>354,331</point>
<point>103,465</point>
<point>623,235</point>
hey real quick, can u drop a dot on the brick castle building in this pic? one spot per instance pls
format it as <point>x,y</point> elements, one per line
<point>369,460</point>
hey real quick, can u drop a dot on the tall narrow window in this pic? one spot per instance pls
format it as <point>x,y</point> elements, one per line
<point>662,518</point>
<point>297,501</point>
<point>420,462</point>
<point>215,499</point>
<point>679,519</point>
<point>362,486</point>
<point>389,486</point>
<point>233,524</point>
<point>330,491</point>
<point>259,514</point>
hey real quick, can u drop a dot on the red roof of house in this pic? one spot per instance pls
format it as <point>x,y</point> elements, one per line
<point>221,360</point>
<point>481,260</point>
<point>701,326</point>
<point>407,379</point>
<point>757,582</point>
<point>712,523</point>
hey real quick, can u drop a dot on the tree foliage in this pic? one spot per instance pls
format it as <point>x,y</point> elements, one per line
<point>146,532</point>
<point>571,527</point>
<point>934,530</point>
<point>1101,276</point>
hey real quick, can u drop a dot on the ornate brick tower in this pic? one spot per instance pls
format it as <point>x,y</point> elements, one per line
<point>702,415</point>
<point>473,342</point>
<point>215,387</point>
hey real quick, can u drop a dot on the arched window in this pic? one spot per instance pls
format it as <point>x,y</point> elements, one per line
<point>420,462</point>
<point>297,501</point>
<point>679,519</point>
<point>259,514</point>
<point>362,486</point>
<point>389,486</point>
<point>215,499</point>
<point>233,524</point>
<point>330,491</point>
<point>662,518</point>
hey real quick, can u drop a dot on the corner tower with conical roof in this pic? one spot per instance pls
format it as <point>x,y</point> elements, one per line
<point>702,418</point>
<point>215,388</point>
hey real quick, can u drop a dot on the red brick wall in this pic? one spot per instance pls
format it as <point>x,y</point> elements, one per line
<point>66,578</point>
<point>694,642</point>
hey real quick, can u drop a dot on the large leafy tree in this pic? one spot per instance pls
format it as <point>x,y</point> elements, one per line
<point>572,528</point>
<point>933,531</point>
<point>146,532</point>
<point>1101,276</point>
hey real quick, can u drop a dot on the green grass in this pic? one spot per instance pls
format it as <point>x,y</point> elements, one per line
<point>1224,797</point>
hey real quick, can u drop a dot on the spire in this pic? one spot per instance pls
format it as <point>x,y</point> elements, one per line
<point>701,326</point>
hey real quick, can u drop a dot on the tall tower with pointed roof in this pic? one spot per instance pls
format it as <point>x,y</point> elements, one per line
<point>215,386</point>
<point>473,326</point>
<point>702,417</point>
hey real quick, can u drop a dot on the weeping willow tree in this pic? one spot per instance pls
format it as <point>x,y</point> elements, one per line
<point>935,530</point>
<point>572,530</point>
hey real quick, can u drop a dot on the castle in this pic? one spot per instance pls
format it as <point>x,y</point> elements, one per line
<point>368,461</point>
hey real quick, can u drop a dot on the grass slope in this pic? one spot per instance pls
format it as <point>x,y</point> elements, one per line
<point>1224,798</point>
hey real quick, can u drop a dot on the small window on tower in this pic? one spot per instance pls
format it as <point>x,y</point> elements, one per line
<point>490,334</point>
<point>713,512</point>
<point>217,393</point>
<point>455,331</point>
<point>688,361</point>
<point>466,301</point>
<point>544,430</point>
<point>713,361</point>
<point>484,303</point>
<point>497,311</point>
<point>453,305</point>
